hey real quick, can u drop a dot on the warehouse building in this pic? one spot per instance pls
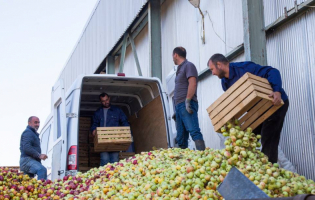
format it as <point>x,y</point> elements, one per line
<point>137,37</point>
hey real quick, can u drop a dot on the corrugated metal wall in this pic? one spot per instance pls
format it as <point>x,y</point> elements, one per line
<point>291,50</point>
<point>275,9</point>
<point>106,25</point>
<point>142,48</point>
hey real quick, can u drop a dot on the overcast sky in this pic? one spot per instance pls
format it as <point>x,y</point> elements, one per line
<point>36,40</point>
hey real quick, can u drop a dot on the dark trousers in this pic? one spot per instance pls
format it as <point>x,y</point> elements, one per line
<point>270,131</point>
<point>187,123</point>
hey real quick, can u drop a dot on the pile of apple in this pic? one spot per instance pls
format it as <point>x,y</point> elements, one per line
<point>186,174</point>
<point>165,174</point>
<point>15,185</point>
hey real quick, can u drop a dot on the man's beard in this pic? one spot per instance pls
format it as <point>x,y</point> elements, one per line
<point>221,74</point>
<point>106,106</point>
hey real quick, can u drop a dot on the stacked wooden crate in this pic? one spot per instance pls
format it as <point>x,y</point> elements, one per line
<point>124,155</point>
<point>246,100</point>
<point>84,128</point>
<point>94,157</point>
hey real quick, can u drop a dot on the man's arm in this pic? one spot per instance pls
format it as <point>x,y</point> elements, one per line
<point>274,78</point>
<point>27,147</point>
<point>123,121</point>
<point>95,123</point>
<point>192,86</point>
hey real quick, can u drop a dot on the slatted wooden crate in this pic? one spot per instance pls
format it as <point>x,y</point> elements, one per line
<point>246,100</point>
<point>84,124</point>
<point>83,161</point>
<point>84,169</point>
<point>112,139</point>
<point>124,155</point>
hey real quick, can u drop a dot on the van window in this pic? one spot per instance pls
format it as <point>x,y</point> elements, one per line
<point>45,140</point>
<point>58,122</point>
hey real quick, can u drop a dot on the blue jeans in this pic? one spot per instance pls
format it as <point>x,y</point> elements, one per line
<point>109,157</point>
<point>187,123</point>
<point>30,167</point>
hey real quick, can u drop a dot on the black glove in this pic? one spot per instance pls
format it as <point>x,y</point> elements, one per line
<point>188,106</point>
<point>174,117</point>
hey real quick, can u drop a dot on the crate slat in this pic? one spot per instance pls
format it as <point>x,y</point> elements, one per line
<point>257,114</point>
<point>265,116</point>
<point>262,90</point>
<point>116,141</point>
<point>110,133</point>
<point>113,136</point>
<point>252,76</point>
<point>261,84</point>
<point>252,111</point>
<point>113,128</point>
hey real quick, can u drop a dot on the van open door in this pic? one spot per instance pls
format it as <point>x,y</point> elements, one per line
<point>59,155</point>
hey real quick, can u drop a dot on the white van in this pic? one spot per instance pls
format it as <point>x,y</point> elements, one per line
<point>65,134</point>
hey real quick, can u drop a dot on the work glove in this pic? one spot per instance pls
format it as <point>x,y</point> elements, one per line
<point>188,106</point>
<point>174,117</point>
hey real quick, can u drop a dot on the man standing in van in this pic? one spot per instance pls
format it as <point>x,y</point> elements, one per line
<point>270,129</point>
<point>186,104</point>
<point>108,116</point>
<point>31,156</point>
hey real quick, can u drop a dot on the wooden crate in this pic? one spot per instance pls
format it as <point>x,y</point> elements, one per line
<point>112,139</point>
<point>246,100</point>
<point>85,119</point>
<point>84,169</point>
<point>124,155</point>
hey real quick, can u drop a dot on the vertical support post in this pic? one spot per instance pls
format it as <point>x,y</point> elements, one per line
<point>154,21</point>
<point>123,53</point>
<point>133,46</point>
<point>110,64</point>
<point>254,32</point>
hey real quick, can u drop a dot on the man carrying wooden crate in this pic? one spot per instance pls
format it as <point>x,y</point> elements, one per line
<point>186,104</point>
<point>271,128</point>
<point>108,116</point>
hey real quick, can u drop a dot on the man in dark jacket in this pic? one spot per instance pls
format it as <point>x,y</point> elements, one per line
<point>108,116</point>
<point>31,156</point>
<point>270,129</point>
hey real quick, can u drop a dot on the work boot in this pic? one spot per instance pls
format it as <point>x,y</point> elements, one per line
<point>200,145</point>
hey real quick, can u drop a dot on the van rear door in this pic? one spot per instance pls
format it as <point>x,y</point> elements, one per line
<point>59,155</point>
<point>46,147</point>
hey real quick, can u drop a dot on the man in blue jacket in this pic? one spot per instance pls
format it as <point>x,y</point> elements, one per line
<point>31,156</point>
<point>108,116</point>
<point>270,129</point>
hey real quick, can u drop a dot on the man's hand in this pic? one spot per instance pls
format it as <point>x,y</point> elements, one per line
<point>43,156</point>
<point>276,98</point>
<point>93,133</point>
<point>174,117</point>
<point>188,106</point>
